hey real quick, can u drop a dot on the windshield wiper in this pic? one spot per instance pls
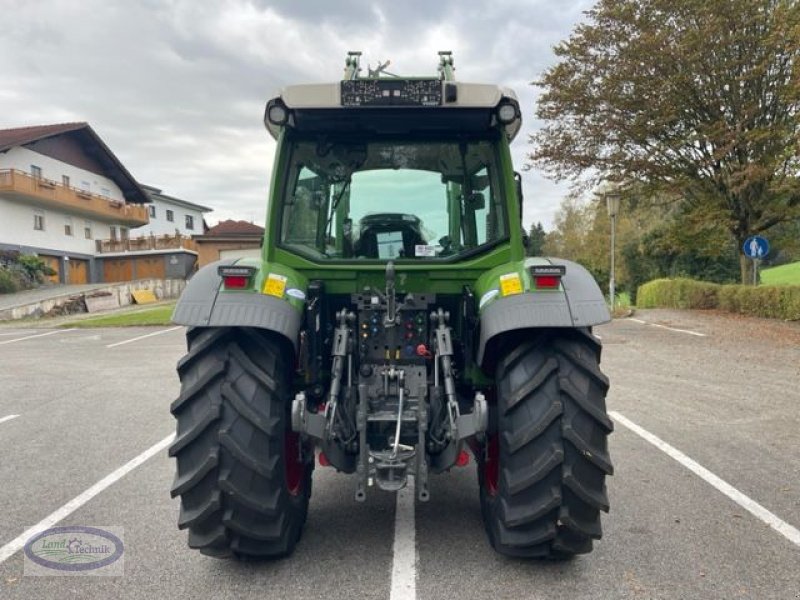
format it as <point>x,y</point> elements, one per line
<point>334,206</point>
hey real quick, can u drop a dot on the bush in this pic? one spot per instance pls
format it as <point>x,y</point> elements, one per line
<point>35,267</point>
<point>773,302</point>
<point>8,284</point>
<point>677,293</point>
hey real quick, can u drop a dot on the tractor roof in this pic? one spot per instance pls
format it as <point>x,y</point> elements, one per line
<point>386,105</point>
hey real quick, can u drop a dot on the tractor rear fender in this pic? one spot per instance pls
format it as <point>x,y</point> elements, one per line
<point>204,304</point>
<point>577,303</point>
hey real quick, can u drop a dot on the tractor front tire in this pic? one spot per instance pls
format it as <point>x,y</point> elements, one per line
<point>542,475</point>
<point>243,477</point>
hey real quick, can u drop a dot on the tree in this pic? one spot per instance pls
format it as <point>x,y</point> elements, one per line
<point>698,99</point>
<point>536,237</point>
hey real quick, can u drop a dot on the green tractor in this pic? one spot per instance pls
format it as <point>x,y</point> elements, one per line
<point>392,325</point>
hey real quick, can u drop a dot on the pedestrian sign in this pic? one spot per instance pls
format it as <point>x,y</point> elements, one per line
<point>756,247</point>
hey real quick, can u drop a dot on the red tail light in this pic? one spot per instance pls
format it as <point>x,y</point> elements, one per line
<point>235,281</point>
<point>236,278</point>
<point>547,277</point>
<point>547,281</point>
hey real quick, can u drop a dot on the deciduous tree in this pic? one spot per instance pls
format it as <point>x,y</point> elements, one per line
<point>699,99</point>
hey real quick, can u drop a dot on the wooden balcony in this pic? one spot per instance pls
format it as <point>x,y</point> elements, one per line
<point>23,187</point>
<point>151,242</point>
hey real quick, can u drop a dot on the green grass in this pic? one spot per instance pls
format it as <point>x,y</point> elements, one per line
<point>783,275</point>
<point>156,315</point>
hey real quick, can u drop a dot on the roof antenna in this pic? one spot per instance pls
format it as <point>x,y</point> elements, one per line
<point>380,70</point>
<point>351,65</point>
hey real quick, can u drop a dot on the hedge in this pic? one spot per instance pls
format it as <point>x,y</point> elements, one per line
<point>774,302</point>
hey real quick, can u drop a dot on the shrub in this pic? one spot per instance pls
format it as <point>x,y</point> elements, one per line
<point>35,267</point>
<point>8,284</point>
<point>773,302</point>
<point>677,293</point>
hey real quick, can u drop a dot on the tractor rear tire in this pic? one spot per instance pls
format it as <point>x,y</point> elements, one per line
<point>542,475</point>
<point>242,476</point>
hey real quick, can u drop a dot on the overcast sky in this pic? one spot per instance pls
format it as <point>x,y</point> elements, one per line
<point>177,88</point>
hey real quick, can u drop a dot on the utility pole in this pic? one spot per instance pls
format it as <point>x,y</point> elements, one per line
<point>612,203</point>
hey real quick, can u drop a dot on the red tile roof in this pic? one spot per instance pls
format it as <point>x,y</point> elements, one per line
<point>25,135</point>
<point>231,227</point>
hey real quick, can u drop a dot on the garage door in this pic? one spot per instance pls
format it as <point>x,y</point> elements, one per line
<point>150,268</point>
<point>78,271</point>
<point>117,270</point>
<point>241,253</point>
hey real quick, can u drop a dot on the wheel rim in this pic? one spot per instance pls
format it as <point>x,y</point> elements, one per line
<point>491,466</point>
<point>293,466</point>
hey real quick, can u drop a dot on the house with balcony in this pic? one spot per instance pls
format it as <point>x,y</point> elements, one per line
<point>67,198</point>
<point>61,190</point>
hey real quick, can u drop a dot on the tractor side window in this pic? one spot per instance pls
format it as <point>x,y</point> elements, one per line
<point>304,209</point>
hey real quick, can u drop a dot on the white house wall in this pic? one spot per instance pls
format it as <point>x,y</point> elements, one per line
<point>160,226</point>
<point>22,158</point>
<point>17,221</point>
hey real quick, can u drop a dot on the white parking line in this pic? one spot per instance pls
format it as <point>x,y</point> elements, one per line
<point>754,508</point>
<point>689,331</point>
<point>38,335</point>
<point>141,337</point>
<point>404,551</point>
<point>17,543</point>
<point>7,418</point>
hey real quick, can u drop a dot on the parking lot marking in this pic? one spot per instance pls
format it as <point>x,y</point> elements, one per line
<point>689,331</point>
<point>7,418</point>
<point>754,508</point>
<point>17,543</point>
<point>38,335</point>
<point>141,337</point>
<point>404,550</point>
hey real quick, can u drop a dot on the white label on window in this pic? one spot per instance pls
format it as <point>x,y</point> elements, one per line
<point>424,250</point>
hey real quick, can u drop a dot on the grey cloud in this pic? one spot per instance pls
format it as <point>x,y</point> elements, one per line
<point>177,87</point>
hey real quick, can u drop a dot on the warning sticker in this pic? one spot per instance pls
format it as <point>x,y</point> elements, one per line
<point>510,284</point>
<point>275,285</point>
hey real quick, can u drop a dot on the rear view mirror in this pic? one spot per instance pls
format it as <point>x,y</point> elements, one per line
<point>475,201</point>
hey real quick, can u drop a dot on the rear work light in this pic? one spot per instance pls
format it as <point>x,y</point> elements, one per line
<point>236,278</point>
<point>547,277</point>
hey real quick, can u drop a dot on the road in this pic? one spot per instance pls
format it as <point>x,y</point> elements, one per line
<point>76,405</point>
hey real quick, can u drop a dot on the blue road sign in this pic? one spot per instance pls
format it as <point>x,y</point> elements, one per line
<point>756,247</point>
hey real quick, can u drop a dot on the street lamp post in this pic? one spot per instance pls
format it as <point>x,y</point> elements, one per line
<point>612,203</point>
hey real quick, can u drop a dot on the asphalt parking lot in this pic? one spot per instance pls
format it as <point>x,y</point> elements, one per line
<point>701,402</point>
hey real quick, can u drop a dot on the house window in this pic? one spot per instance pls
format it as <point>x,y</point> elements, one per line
<point>105,192</point>
<point>189,222</point>
<point>113,233</point>
<point>87,230</point>
<point>38,220</point>
<point>68,226</point>
<point>123,233</point>
<point>170,216</point>
<point>36,172</point>
<point>65,180</point>
<point>152,211</point>
<point>85,186</point>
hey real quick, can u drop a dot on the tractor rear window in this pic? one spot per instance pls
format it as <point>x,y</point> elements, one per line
<point>392,200</point>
